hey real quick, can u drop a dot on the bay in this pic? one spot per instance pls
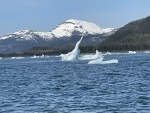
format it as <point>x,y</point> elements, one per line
<point>49,85</point>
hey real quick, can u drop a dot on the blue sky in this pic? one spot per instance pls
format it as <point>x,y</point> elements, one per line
<point>43,15</point>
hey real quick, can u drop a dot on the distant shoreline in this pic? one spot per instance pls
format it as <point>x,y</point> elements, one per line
<point>56,53</point>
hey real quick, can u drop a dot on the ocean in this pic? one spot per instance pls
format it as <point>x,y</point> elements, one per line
<point>49,85</point>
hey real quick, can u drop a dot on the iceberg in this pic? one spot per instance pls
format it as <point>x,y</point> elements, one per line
<point>97,58</point>
<point>73,55</point>
<point>100,61</point>
<point>131,52</point>
<point>92,57</point>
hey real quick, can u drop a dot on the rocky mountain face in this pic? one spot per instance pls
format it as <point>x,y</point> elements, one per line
<point>64,34</point>
<point>23,40</point>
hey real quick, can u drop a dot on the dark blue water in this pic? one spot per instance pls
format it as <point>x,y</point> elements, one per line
<point>48,85</point>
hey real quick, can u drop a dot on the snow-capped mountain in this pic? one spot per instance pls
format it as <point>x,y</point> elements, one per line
<point>64,34</point>
<point>23,40</point>
<point>27,35</point>
<point>73,27</point>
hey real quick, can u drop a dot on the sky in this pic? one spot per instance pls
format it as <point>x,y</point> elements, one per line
<point>44,15</point>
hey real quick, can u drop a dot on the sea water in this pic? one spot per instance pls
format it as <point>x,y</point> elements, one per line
<point>49,85</point>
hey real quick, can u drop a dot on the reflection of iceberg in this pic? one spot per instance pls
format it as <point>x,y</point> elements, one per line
<point>73,55</point>
<point>91,57</point>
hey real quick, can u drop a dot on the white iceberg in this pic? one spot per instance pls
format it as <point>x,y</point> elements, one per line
<point>91,57</point>
<point>95,59</point>
<point>73,55</point>
<point>100,61</point>
<point>98,58</point>
<point>131,52</point>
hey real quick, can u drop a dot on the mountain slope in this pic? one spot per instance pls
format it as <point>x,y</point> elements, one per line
<point>23,40</point>
<point>69,32</point>
<point>133,36</point>
<point>73,27</point>
<point>64,34</point>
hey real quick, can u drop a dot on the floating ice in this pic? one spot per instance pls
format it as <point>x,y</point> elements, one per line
<point>95,59</point>
<point>16,57</point>
<point>98,58</point>
<point>92,57</point>
<point>108,53</point>
<point>131,52</point>
<point>146,51</point>
<point>100,61</point>
<point>73,55</point>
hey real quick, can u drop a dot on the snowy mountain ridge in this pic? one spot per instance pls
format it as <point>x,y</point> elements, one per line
<point>64,34</point>
<point>65,29</point>
<point>27,35</point>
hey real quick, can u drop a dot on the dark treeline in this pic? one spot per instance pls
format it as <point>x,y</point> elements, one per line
<point>38,51</point>
<point>133,36</point>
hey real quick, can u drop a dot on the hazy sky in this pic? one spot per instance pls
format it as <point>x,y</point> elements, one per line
<point>43,15</point>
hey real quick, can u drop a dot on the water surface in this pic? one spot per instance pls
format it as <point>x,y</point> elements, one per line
<point>48,85</point>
